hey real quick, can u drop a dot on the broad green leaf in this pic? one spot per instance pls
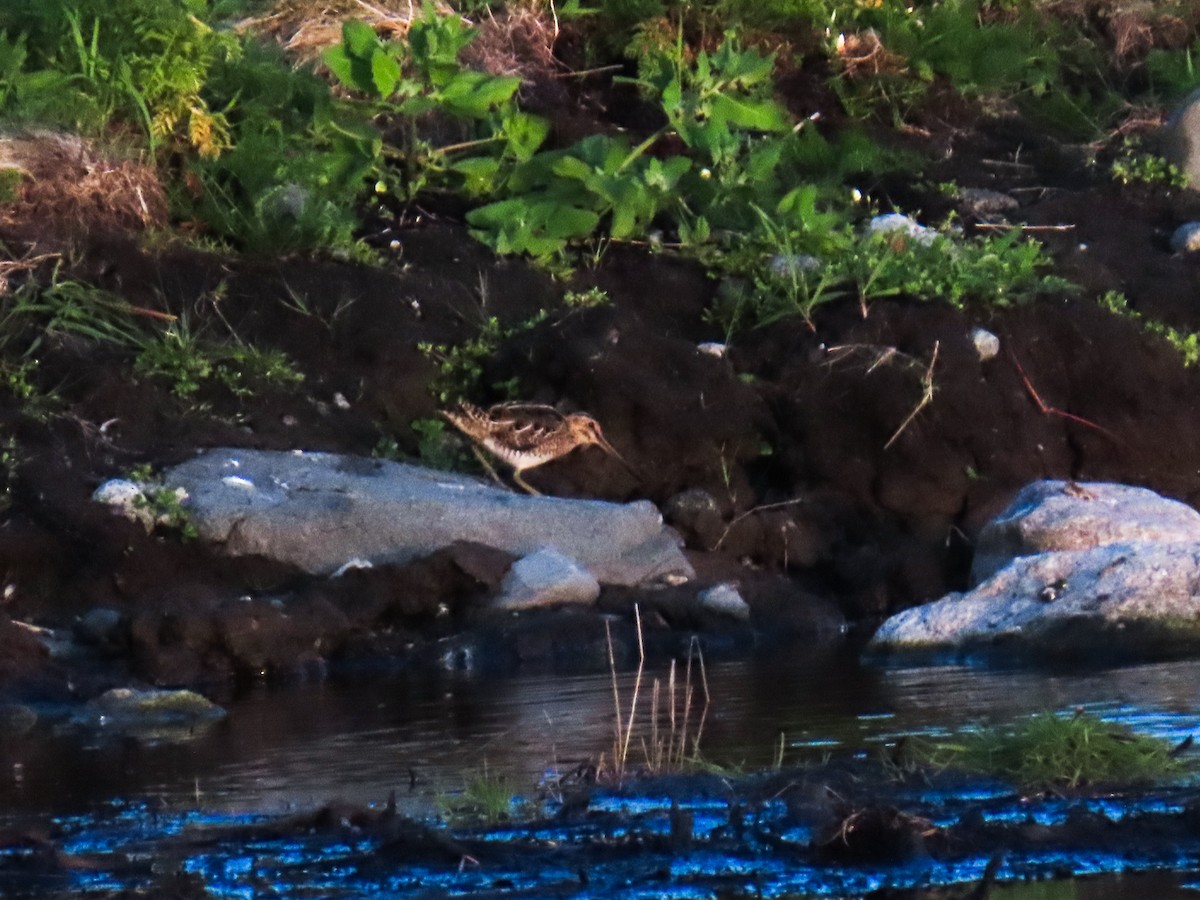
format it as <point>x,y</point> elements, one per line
<point>570,222</point>
<point>570,167</point>
<point>763,160</point>
<point>474,94</point>
<point>358,38</point>
<point>672,97</point>
<point>340,64</point>
<point>385,73</point>
<point>479,174</point>
<point>696,232</point>
<point>624,222</point>
<point>524,133</point>
<point>757,115</point>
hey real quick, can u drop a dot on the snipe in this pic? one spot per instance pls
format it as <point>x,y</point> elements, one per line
<point>527,435</point>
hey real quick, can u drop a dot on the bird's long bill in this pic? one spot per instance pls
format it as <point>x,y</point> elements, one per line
<point>608,448</point>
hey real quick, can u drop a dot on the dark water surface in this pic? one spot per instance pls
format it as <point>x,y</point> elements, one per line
<point>282,749</point>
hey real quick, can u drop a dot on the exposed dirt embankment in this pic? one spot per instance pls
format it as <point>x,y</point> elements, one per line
<point>851,458</point>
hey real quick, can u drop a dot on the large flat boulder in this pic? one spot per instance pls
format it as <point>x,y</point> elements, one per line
<point>320,511</point>
<point>1053,515</point>
<point>1085,569</point>
<point>1139,599</point>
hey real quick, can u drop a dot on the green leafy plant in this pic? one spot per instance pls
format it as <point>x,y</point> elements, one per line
<point>164,505</point>
<point>189,360</point>
<point>1185,343</point>
<point>460,366</point>
<point>420,80</point>
<point>1173,74</point>
<point>435,446</point>
<point>717,107</point>
<point>590,299</point>
<point>992,269</point>
<point>84,63</point>
<point>1134,165</point>
<point>299,164</point>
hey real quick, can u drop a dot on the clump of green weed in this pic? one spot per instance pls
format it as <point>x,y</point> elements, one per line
<point>1071,751</point>
<point>791,265</point>
<point>486,797</point>
<point>1173,74</point>
<point>590,299</point>
<point>161,504</point>
<point>1133,165</point>
<point>993,269</point>
<point>1185,343</point>
<point>85,63</point>
<point>298,164</point>
<point>188,362</point>
<point>436,448</point>
<point>460,366</point>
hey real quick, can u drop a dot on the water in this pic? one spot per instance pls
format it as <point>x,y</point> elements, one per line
<point>116,803</point>
<point>286,748</point>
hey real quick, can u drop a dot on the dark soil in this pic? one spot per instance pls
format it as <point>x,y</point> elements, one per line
<point>776,463</point>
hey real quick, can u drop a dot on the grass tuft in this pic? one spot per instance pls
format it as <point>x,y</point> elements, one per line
<point>1053,752</point>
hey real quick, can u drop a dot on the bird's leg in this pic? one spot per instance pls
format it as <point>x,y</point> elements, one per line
<point>521,481</point>
<point>491,470</point>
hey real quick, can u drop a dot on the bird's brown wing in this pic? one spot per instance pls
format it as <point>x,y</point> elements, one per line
<point>524,426</point>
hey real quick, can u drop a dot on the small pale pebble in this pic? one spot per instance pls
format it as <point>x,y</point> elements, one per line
<point>712,348</point>
<point>895,222</point>
<point>785,265</point>
<point>987,345</point>
<point>340,401</point>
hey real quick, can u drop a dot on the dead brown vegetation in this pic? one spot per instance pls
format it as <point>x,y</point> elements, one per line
<point>517,41</point>
<point>306,28</point>
<point>67,183</point>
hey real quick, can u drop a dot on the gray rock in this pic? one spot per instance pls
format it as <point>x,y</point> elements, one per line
<point>1181,138</point>
<point>983,202</point>
<point>1061,515</point>
<point>1135,598</point>
<point>546,578</point>
<point>130,708</point>
<point>725,600</point>
<point>1186,238</point>
<point>318,510</point>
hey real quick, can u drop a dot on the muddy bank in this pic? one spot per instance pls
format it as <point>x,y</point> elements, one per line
<point>832,830</point>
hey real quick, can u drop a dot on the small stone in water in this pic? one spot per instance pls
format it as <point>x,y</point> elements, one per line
<point>724,599</point>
